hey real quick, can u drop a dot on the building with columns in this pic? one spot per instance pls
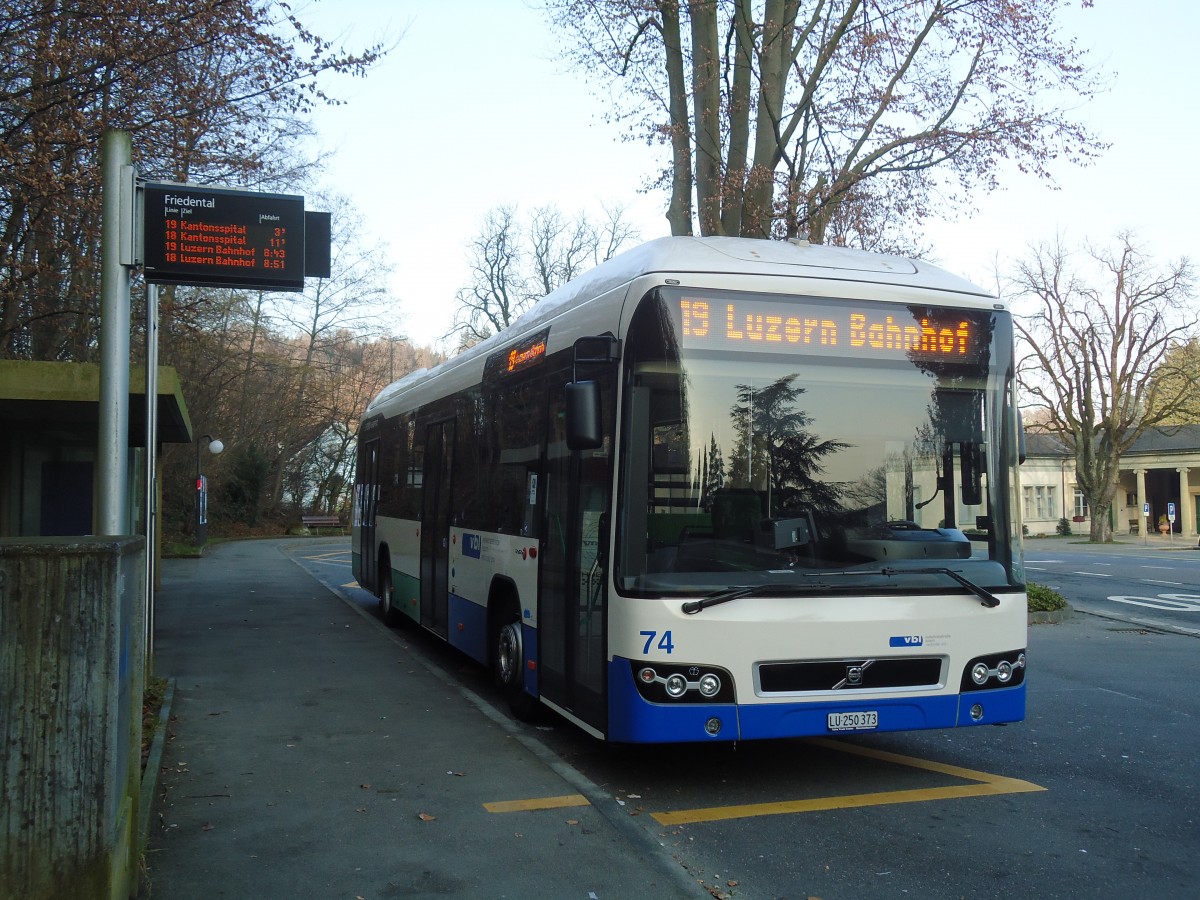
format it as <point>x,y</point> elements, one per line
<point>1159,473</point>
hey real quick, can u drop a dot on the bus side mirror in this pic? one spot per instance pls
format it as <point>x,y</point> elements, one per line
<point>584,426</point>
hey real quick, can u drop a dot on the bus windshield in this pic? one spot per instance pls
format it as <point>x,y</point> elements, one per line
<point>817,444</point>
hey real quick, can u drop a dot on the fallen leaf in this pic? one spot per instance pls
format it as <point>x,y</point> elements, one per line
<point>365,787</point>
<point>207,826</point>
<point>572,821</point>
<point>426,817</point>
<point>361,809</point>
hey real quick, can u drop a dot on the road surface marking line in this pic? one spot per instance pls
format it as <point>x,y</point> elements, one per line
<point>1155,581</point>
<point>1093,574</point>
<point>986,785</point>
<point>350,584</point>
<point>504,806</point>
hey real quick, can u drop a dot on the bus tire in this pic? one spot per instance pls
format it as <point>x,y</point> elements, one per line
<point>392,617</point>
<point>508,661</point>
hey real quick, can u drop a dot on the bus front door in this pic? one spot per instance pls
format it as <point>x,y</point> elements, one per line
<point>435,525</point>
<point>368,502</point>
<point>573,591</point>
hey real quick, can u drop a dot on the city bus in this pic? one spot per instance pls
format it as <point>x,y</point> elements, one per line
<point>717,489</point>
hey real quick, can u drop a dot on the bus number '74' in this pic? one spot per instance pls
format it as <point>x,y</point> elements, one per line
<point>665,643</point>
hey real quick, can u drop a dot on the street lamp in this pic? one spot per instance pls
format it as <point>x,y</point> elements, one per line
<point>214,447</point>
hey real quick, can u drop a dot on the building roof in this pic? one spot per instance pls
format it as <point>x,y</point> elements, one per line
<point>67,395</point>
<point>1156,441</point>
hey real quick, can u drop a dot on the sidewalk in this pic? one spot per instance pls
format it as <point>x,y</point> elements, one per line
<point>1122,544</point>
<point>314,756</point>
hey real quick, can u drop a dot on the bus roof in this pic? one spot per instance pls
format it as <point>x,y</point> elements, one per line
<point>717,256</point>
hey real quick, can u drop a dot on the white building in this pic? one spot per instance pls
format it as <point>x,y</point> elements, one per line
<point>1159,473</point>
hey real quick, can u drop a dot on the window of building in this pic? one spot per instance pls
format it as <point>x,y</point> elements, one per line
<point>1040,501</point>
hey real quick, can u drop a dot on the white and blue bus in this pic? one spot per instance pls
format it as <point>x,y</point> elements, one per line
<point>717,489</point>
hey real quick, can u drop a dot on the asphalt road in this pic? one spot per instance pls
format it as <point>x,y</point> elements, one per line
<point>1155,583</point>
<point>1096,794</point>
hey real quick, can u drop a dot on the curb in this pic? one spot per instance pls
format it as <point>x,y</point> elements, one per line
<point>153,762</point>
<point>1050,617</point>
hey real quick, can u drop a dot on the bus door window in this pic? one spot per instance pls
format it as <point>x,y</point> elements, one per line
<point>435,525</point>
<point>365,513</point>
<point>573,592</point>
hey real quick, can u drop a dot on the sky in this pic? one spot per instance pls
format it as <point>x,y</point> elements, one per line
<point>473,109</point>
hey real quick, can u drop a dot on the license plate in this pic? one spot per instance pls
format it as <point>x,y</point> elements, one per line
<point>853,721</point>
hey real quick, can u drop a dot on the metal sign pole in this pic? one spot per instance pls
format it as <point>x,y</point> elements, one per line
<point>151,505</point>
<point>116,255</point>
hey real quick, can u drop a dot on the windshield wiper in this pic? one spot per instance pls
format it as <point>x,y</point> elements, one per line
<point>736,593</point>
<point>990,600</point>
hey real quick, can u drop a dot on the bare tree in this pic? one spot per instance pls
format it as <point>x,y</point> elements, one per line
<point>514,265</point>
<point>1179,375</point>
<point>1090,354</point>
<point>779,113</point>
<point>498,292</point>
<point>213,90</point>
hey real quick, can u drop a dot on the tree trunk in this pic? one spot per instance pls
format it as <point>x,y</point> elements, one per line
<point>773,66</point>
<point>679,213</point>
<point>1101,527</point>
<point>733,189</point>
<point>706,103</point>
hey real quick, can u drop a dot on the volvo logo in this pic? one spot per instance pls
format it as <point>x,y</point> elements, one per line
<point>854,674</point>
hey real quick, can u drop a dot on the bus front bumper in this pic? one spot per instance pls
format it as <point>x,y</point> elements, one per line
<point>633,719</point>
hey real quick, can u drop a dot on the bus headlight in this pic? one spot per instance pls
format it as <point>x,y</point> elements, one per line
<point>682,683</point>
<point>996,670</point>
<point>676,685</point>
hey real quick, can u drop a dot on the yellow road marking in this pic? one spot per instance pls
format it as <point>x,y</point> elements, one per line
<point>985,786</point>
<point>503,806</point>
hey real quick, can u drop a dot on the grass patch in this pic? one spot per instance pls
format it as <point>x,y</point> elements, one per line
<point>1044,599</point>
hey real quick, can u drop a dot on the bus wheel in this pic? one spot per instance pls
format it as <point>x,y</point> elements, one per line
<point>387,595</point>
<point>509,664</point>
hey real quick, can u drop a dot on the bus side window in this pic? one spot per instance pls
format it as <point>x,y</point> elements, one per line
<point>515,418</point>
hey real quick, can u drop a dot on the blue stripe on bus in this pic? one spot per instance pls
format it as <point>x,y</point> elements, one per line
<point>635,720</point>
<point>529,642</point>
<point>467,627</point>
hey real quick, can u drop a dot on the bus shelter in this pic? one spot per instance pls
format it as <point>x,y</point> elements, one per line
<point>49,428</point>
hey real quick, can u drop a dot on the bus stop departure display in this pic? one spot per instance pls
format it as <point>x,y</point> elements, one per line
<point>227,238</point>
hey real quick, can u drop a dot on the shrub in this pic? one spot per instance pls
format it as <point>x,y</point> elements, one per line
<point>1044,599</point>
<point>1064,527</point>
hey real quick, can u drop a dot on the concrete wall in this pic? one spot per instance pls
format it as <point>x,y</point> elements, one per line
<point>72,667</point>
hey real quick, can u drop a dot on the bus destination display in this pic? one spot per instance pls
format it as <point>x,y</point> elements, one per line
<point>821,327</point>
<point>222,237</point>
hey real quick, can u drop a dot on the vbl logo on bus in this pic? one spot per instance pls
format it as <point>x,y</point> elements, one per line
<point>907,640</point>
<point>472,545</point>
